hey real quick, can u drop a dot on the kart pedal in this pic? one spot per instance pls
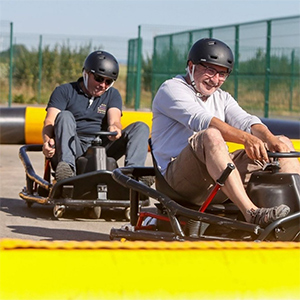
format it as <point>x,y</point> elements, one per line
<point>102,191</point>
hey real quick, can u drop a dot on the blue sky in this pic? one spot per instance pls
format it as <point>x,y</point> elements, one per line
<point>109,24</point>
<point>122,17</point>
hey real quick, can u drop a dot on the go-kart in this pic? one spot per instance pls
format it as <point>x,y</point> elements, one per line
<point>173,219</point>
<point>91,189</point>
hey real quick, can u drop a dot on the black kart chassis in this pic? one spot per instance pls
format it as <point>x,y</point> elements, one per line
<point>59,193</point>
<point>125,176</point>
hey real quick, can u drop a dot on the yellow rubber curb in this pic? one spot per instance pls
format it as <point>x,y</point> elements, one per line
<point>149,270</point>
<point>16,244</point>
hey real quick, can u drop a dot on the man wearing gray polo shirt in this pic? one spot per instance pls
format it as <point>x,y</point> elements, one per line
<point>90,105</point>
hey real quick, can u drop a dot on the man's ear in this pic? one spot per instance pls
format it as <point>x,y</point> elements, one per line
<point>190,65</point>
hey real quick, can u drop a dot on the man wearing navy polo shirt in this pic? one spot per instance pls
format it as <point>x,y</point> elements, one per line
<point>89,105</point>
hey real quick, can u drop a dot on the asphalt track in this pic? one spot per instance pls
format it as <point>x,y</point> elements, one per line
<point>17,221</point>
<point>44,258</point>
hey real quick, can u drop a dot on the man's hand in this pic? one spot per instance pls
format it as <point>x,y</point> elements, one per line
<point>276,145</point>
<point>272,142</point>
<point>48,132</point>
<point>49,148</point>
<point>255,148</point>
<point>113,128</point>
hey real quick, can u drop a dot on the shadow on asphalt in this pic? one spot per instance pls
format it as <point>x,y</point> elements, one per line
<point>59,234</point>
<point>19,208</point>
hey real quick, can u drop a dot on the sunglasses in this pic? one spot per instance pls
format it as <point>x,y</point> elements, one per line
<point>101,79</point>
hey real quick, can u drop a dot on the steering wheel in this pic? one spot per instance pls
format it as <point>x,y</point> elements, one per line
<point>284,154</point>
<point>274,166</point>
<point>98,134</point>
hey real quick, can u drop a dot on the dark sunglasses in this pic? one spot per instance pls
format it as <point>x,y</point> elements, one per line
<point>101,79</point>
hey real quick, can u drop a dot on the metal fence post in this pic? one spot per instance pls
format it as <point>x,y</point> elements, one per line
<point>171,54</point>
<point>292,80</point>
<point>236,63</point>
<point>139,72</point>
<point>153,79</point>
<point>190,40</point>
<point>10,66</point>
<point>130,78</point>
<point>268,69</point>
<point>40,70</point>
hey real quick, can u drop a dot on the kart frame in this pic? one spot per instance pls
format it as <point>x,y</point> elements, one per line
<point>285,229</point>
<point>87,190</point>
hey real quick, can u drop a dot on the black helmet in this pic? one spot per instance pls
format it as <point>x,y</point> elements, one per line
<point>102,63</point>
<point>211,51</point>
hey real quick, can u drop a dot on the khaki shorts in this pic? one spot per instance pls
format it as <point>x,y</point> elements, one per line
<point>188,176</point>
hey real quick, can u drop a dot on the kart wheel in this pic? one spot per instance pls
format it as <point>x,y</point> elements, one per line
<point>93,212</point>
<point>29,204</point>
<point>127,213</point>
<point>58,211</point>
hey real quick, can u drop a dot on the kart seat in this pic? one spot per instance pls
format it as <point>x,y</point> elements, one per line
<point>162,186</point>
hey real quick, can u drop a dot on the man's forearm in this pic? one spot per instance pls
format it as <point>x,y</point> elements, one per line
<point>47,133</point>
<point>229,133</point>
<point>262,132</point>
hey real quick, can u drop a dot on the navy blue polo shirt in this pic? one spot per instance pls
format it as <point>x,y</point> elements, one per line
<point>92,118</point>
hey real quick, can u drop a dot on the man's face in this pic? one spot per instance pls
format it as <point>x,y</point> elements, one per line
<point>208,77</point>
<point>97,84</point>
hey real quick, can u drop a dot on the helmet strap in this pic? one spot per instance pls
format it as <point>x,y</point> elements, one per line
<point>110,86</point>
<point>85,76</point>
<point>192,79</point>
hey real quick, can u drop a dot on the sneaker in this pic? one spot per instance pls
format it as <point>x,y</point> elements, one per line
<point>63,171</point>
<point>265,216</point>
<point>147,180</point>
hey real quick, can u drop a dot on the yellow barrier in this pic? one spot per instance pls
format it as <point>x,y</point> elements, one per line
<point>232,146</point>
<point>34,119</point>
<point>149,270</point>
<point>35,116</point>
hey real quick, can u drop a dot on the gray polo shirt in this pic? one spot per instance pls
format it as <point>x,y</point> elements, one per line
<point>89,117</point>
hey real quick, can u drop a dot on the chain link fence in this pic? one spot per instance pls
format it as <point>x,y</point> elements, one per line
<point>265,80</point>
<point>266,76</point>
<point>33,65</point>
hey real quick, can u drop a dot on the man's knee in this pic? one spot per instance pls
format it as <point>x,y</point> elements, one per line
<point>212,137</point>
<point>64,116</point>
<point>287,141</point>
<point>143,127</point>
<point>138,128</point>
<point>64,120</point>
